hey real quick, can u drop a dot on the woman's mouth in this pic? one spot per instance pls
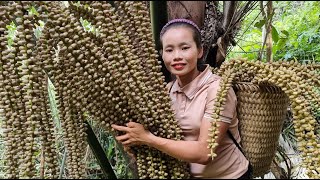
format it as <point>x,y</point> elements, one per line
<point>178,66</point>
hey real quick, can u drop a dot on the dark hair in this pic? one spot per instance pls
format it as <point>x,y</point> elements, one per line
<point>195,34</point>
<point>183,23</point>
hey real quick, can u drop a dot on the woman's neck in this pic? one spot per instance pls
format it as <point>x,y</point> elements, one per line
<point>186,79</point>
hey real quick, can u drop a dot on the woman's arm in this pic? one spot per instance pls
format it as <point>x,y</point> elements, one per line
<point>190,151</point>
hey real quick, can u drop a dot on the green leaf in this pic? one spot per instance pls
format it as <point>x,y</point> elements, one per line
<point>33,10</point>
<point>78,3</point>
<point>10,41</point>
<point>260,23</point>
<point>275,34</point>
<point>281,43</point>
<point>41,23</point>
<point>12,26</point>
<point>8,27</point>
<point>285,33</point>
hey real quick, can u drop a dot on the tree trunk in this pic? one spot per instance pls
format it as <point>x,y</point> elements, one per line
<point>229,8</point>
<point>269,32</point>
<point>193,10</point>
<point>228,12</point>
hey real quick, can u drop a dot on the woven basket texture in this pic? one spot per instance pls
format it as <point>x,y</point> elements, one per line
<point>261,112</point>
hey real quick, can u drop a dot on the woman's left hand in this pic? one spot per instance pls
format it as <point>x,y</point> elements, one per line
<point>135,134</point>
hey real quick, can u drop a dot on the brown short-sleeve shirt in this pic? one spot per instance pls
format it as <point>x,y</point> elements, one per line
<point>192,104</point>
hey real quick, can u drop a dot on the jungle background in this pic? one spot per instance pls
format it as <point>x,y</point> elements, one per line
<point>269,31</point>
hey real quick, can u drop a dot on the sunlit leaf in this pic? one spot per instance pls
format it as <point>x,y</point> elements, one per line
<point>33,10</point>
<point>285,33</point>
<point>260,23</point>
<point>275,34</point>
<point>281,43</point>
<point>41,23</point>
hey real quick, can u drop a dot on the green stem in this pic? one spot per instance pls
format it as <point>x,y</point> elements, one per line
<point>62,164</point>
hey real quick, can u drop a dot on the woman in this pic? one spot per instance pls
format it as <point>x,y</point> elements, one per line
<point>193,93</point>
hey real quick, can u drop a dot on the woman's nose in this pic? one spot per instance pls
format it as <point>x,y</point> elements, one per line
<point>177,55</point>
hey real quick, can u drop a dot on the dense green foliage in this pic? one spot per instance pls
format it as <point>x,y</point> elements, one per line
<point>296,36</point>
<point>295,32</point>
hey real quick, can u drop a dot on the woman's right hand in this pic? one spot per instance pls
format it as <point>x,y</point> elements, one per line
<point>135,134</point>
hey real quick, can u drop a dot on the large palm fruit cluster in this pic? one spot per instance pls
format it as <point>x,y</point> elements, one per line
<point>300,83</point>
<point>23,90</point>
<point>113,75</point>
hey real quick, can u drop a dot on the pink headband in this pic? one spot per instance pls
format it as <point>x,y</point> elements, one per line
<point>179,21</point>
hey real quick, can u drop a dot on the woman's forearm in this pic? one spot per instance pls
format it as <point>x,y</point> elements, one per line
<point>190,151</point>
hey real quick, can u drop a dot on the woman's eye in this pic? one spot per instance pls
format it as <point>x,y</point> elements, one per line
<point>185,48</point>
<point>168,50</point>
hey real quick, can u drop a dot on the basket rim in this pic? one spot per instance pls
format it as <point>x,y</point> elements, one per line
<point>256,87</point>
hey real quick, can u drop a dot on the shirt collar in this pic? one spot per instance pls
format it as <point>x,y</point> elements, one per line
<point>192,88</point>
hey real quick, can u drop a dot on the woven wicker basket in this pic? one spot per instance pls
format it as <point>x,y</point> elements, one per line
<point>261,112</point>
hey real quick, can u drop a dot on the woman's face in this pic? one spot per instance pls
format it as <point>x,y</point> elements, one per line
<point>180,53</point>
